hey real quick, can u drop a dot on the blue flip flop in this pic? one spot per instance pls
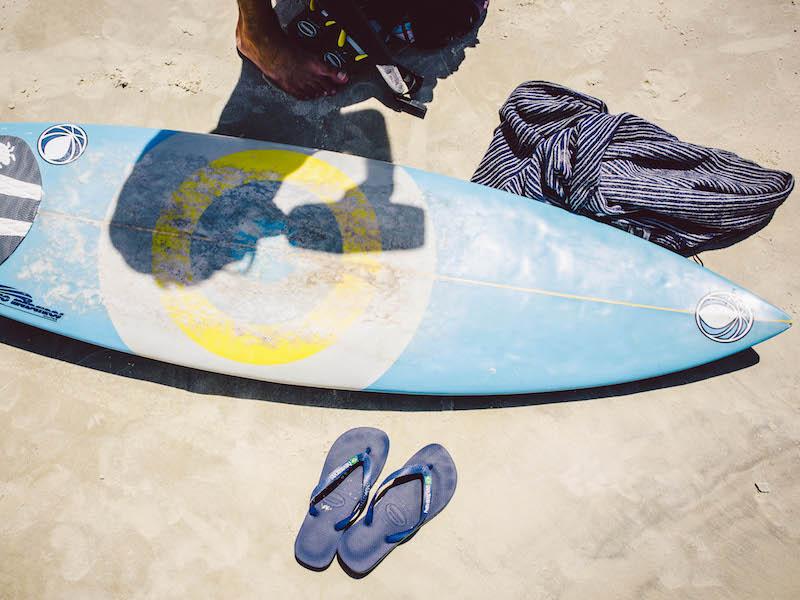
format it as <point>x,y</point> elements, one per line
<point>405,501</point>
<point>354,462</point>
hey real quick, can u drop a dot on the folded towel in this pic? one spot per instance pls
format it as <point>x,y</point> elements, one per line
<point>562,147</point>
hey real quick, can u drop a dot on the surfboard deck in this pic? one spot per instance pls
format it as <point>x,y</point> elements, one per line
<point>315,268</point>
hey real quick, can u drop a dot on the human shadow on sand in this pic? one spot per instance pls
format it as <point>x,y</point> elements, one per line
<point>159,196</point>
<point>258,110</point>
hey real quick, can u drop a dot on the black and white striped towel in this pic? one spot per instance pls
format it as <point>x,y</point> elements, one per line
<point>20,192</point>
<point>562,147</point>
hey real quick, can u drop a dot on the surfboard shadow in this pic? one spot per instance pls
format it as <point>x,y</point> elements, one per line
<point>54,346</point>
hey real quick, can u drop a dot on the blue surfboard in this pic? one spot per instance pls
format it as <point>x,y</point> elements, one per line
<point>315,268</point>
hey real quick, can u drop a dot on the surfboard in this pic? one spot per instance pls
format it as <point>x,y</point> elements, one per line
<point>314,268</point>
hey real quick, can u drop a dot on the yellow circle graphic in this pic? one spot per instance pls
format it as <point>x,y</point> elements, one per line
<point>267,343</point>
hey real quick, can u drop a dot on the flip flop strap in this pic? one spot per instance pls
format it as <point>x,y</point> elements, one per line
<point>420,471</point>
<point>338,475</point>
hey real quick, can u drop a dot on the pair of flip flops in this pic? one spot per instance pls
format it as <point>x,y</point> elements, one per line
<point>404,502</point>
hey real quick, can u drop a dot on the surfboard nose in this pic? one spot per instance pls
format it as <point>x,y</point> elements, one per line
<point>736,315</point>
<point>765,311</point>
<point>780,318</point>
<point>769,320</point>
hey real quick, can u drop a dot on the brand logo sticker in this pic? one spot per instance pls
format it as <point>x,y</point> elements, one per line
<point>723,317</point>
<point>334,499</point>
<point>14,298</point>
<point>62,144</point>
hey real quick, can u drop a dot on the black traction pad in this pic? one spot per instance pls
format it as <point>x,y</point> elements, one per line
<point>20,192</point>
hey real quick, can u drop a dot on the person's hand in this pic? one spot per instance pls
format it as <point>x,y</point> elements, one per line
<point>289,66</point>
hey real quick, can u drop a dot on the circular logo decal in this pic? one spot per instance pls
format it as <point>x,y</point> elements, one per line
<point>62,144</point>
<point>723,317</point>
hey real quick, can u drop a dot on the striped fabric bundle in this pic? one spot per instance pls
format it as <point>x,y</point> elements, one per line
<point>562,147</point>
<point>20,192</point>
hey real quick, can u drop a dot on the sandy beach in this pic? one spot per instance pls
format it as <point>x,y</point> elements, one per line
<point>122,477</point>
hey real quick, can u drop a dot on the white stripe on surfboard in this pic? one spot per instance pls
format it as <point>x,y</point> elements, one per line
<point>13,227</point>
<point>20,189</point>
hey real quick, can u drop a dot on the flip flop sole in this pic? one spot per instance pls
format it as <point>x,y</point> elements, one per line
<point>363,546</point>
<point>317,539</point>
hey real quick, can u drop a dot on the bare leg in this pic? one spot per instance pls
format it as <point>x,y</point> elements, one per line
<point>260,38</point>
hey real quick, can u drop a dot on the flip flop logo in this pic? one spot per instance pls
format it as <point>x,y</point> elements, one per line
<point>723,317</point>
<point>62,144</point>
<point>332,500</point>
<point>395,515</point>
<point>427,502</point>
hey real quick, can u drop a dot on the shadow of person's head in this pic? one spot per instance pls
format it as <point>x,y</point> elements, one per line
<point>194,205</point>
